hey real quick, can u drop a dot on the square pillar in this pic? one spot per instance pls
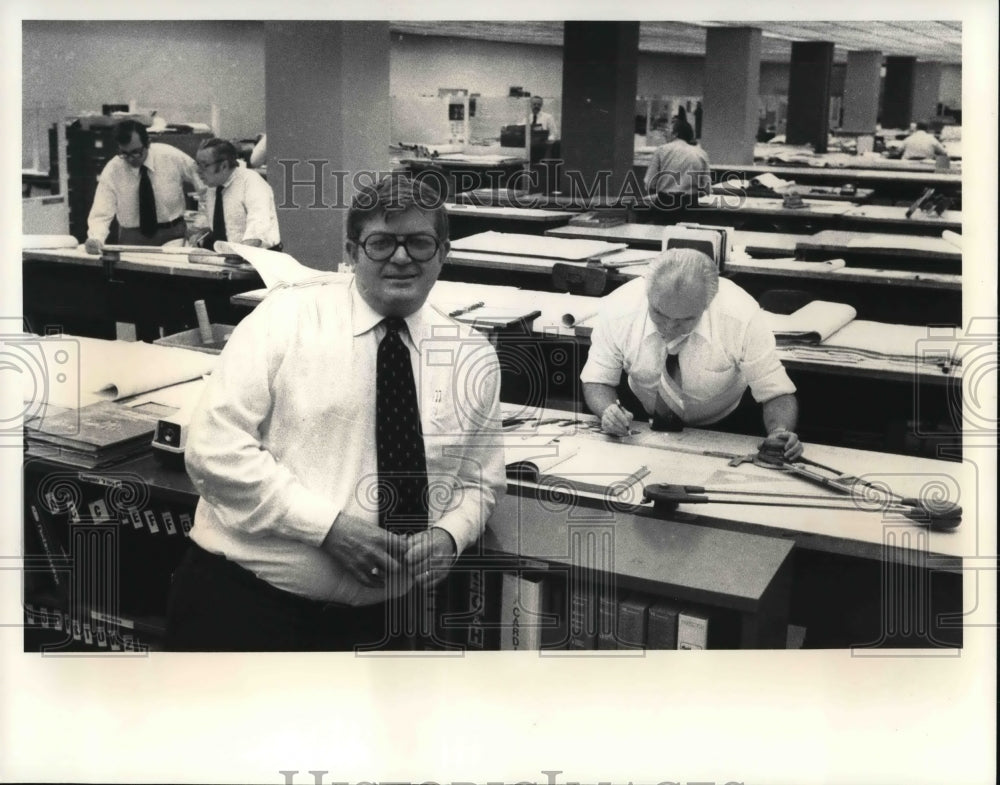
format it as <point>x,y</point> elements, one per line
<point>809,94</point>
<point>861,87</point>
<point>326,94</point>
<point>897,93</point>
<point>600,75</point>
<point>730,108</point>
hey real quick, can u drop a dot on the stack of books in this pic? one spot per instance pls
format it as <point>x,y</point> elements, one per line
<point>98,435</point>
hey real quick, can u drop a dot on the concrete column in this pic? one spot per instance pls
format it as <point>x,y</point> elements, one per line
<point>809,94</point>
<point>861,88</point>
<point>926,90</point>
<point>600,74</point>
<point>897,93</point>
<point>731,105</point>
<point>327,103</point>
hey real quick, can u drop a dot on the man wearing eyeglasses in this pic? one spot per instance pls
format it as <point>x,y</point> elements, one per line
<point>143,186</point>
<point>238,204</point>
<point>347,449</point>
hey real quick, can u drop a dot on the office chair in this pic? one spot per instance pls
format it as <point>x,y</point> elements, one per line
<point>784,300</point>
<point>579,279</point>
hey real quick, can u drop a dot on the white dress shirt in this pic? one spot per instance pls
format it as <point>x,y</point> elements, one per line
<point>283,439</point>
<point>730,348</point>
<point>546,122</point>
<point>118,190</point>
<point>921,144</point>
<point>248,206</point>
<point>679,167</point>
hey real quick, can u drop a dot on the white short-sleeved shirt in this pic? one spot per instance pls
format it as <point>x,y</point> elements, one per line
<point>729,349</point>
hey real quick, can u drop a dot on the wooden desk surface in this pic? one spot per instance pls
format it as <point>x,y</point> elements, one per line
<point>925,175</point>
<point>511,213</point>
<point>467,162</point>
<point>559,310</point>
<point>737,187</point>
<point>840,242</point>
<point>860,530</point>
<point>651,235</point>
<point>716,566</point>
<point>889,214</point>
<point>774,206</point>
<point>164,264</point>
<point>648,236</point>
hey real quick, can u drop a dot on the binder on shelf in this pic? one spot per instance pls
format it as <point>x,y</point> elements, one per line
<point>662,626</point>
<point>521,611</point>
<point>692,630</point>
<point>607,615</point>
<point>632,622</point>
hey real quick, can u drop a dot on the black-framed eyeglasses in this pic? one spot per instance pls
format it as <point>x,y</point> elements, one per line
<point>131,154</point>
<point>380,246</point>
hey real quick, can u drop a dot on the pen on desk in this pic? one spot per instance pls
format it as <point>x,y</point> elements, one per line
<point>462,311</point>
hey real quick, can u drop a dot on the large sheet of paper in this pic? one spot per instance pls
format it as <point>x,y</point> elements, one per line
<point>70,371</point>
<point>534,245</point>
<point>274,267</point>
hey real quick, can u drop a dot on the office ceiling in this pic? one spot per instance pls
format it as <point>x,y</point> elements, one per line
<point>926,40</point>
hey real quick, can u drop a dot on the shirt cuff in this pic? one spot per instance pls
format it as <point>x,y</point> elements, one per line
<point>309,518</point>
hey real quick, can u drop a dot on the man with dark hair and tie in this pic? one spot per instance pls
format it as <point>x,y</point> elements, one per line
<point>346,448</point>
<point>143,186</point>
<point>691,343</point>
<point>238,204</point>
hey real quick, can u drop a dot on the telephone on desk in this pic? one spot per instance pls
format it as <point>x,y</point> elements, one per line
<point>928,203</point>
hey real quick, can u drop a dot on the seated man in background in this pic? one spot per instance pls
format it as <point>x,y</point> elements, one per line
<point>346,449</point>
<point>238,203</point>
<point>679,171</point>
<point>691,344</point>
<point>143,186</point>
<point>922,144</point>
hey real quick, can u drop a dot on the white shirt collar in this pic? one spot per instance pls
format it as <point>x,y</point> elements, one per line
<point>365,318</point>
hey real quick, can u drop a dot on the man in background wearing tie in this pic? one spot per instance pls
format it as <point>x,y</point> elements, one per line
<point>346,449</point>
<point>691,344</point>
<point>238,204</point>
<point>144,187</point>
<point>543,121</point>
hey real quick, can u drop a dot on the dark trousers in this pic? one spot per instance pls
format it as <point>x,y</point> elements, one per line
<point>216,605</point>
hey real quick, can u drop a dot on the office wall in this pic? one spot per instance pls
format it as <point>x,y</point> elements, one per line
<point>419,65</point>
<point>669,75</point>
<point>173,65</point>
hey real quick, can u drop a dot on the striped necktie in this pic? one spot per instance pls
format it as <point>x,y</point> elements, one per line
<point>399,440</point>
<point>668,414</point>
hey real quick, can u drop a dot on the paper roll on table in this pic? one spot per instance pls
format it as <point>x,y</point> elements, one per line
<point>569,320</point>
<point>952,237</point>
<point>204,325</point>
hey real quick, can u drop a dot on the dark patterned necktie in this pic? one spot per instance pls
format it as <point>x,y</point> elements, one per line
<point>668,414</point>
<point>147,204</point>
<point>399,440</point>
<point>219,218</point>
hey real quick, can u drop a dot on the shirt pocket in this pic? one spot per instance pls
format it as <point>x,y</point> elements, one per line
<point>712,377</point>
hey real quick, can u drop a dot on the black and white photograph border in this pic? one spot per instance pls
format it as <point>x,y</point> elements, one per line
<point>805,716</point>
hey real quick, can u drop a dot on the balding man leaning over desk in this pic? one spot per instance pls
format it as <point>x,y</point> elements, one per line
<point>691,344</point>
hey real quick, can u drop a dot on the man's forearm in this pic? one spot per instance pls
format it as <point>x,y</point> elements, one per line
<point>781,413</point>
<point>598,396</point>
